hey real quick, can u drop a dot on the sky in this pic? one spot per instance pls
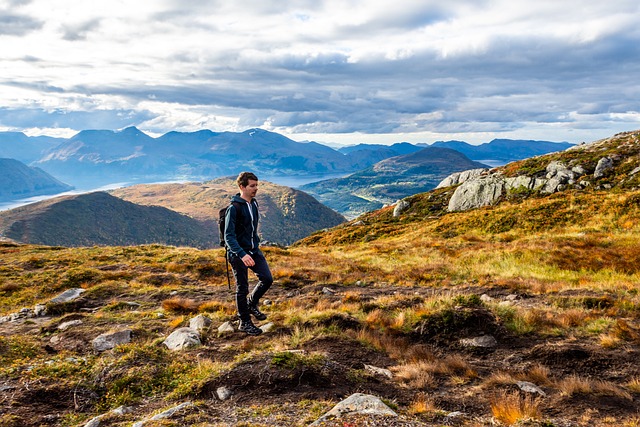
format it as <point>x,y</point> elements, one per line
<point>333,71</point>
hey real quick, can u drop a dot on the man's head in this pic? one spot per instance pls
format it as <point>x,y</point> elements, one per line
<point>248,183</point>
<point>244,177</point>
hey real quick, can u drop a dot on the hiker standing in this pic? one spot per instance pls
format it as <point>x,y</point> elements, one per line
<point>241,237</point>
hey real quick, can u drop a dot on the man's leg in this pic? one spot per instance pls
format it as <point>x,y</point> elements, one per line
<point>265,280</point>
<point>240,272</point>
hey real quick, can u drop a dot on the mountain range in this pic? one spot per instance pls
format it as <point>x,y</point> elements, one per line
<point>94,158</point>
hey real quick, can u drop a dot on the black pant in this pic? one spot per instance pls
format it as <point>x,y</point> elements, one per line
<point>241,274</point>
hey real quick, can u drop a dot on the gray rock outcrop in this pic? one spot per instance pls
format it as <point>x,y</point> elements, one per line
<point>67,296</point>
<point>357,403</point>
<point>164,415</point>
<point>110,340</point>
<point>484,341</point>
<point>460,177</point>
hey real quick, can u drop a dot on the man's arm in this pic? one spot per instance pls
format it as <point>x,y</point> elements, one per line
<point>230,232</point>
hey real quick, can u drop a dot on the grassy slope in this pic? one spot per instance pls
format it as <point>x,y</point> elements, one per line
<point>406,289</point>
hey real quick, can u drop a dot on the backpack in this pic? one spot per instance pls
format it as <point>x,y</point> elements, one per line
<point>221,221</point>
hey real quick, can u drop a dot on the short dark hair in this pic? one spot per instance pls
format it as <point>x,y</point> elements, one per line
<point>244,177</point>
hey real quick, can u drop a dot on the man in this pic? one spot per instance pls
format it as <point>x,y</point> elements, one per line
<point>241,237</point>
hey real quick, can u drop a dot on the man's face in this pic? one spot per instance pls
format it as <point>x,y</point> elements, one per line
<point>250,190</point>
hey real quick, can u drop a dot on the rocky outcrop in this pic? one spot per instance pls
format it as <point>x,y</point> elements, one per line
<point>481,191</point>
<point>460,177</point>
<point>357,403</point>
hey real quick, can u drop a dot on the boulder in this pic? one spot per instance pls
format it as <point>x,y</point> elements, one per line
<point>182,338</point>
<point>200,323</point>
<point>70,324</point>
<point>478,192</point>
<point>604,164</point>
<point>401,206</point>
<point>226,328</point>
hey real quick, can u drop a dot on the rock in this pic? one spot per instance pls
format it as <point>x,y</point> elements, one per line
<point>226,328</point>
<point>95,422</point>
<point>182,338</point>
<point>267,302</point>
<point>40,310</point>
<point>485,298</point>
<point>460,177</point>
<point>381,372</point>
<point>635,171</point>
<point>478,192</point>
<point>200,323</point>
<point>328,291</point>
<point>70,324</point>
<point>484,341</point>
<point>528,387</point>
<point>357,403</point>
<point>401,206</point>
<point>67,296</point>
<point>110,340</point>
<point>267,327</point>
<point>223,393</point>
<point>604,164</point>
<point>164,415</point>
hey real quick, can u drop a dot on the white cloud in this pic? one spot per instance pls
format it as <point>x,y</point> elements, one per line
<point>357,67</point>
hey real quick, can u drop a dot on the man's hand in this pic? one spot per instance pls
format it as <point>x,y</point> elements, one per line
<point>248,261</point>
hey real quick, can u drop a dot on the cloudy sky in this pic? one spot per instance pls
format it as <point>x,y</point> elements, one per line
<point>341,71</point>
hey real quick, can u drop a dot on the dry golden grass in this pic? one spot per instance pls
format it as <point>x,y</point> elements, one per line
<point>634,384</point>
<point>180,305</point>
<point>510,408</point>
<point>574,385</point>
<point>423,404</point>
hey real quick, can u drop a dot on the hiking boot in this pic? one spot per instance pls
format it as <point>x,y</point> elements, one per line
<point>249,328</point>
<point>255,311</point>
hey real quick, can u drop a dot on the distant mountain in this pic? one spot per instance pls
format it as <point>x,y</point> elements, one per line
<point>364,155</point>
<point>389,180</point>
<point>27,149</point>
<point>504,150</point>
<point>101,219</point>
<point>287,215</point>
<point>19,181</point>
<point>99,157</point>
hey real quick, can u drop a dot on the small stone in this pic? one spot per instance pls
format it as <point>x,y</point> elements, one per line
<point>328,291</point>
<point>484,341</point>
<point>223,393</point>
<point>485,298</point>
<point>267,302</point>
<point>381,372</point>
<point>70,324</point>
<point>528,387</point>
<point>226,328</point>
<point>267,327</point>
<point>40,310</point>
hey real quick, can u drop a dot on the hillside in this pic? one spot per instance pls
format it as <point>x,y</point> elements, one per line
<point>389,180</point>
<point>100,219</point>
<point>286,215</point>
<point>19,181</point>
<point>523,312</point>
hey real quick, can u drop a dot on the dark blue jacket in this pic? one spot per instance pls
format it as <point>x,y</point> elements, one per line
<point>241,226</point>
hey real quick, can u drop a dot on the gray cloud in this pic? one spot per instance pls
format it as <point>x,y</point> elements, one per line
<point>17,25</point>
